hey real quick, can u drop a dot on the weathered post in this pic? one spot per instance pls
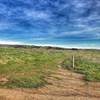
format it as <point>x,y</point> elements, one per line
<point>73,61</point>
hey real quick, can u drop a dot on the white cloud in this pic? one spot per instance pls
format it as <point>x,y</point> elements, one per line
<point>40,38</point>
<point>95,16</point>
<point>3,9</point>
<point>10,42</point>
<point>5,25</point>
<point>37,15</point>
<point>94,32</point>
<point>88,29</point>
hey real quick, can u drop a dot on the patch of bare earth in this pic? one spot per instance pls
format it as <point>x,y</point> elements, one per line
<point>63,85</point>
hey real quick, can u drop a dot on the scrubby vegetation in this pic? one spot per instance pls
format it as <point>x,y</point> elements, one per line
<point>28,67</point>
<point>89,68</point>
<point>23,67</point>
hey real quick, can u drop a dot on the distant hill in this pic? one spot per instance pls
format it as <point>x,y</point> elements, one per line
<point>34,46</point>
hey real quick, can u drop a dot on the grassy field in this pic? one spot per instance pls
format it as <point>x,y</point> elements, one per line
<point>87,62</point>
<point>28,67</point>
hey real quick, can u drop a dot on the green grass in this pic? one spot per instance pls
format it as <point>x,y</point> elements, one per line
<point>89,68</point>
<point>29,67</point>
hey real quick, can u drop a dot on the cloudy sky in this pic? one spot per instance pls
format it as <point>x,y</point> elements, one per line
<point>68,23</point>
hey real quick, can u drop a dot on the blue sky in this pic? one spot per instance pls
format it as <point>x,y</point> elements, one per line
<point>67,23</point>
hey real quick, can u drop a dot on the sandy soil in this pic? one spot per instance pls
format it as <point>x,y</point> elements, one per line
<point>63,85</point>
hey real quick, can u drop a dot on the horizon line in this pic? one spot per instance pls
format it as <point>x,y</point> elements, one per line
<point>67,46</point>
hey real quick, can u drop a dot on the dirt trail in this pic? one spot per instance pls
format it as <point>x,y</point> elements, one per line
<point>63,85</point>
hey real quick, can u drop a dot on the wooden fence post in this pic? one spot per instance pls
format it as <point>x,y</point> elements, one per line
<point>73,61</point>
